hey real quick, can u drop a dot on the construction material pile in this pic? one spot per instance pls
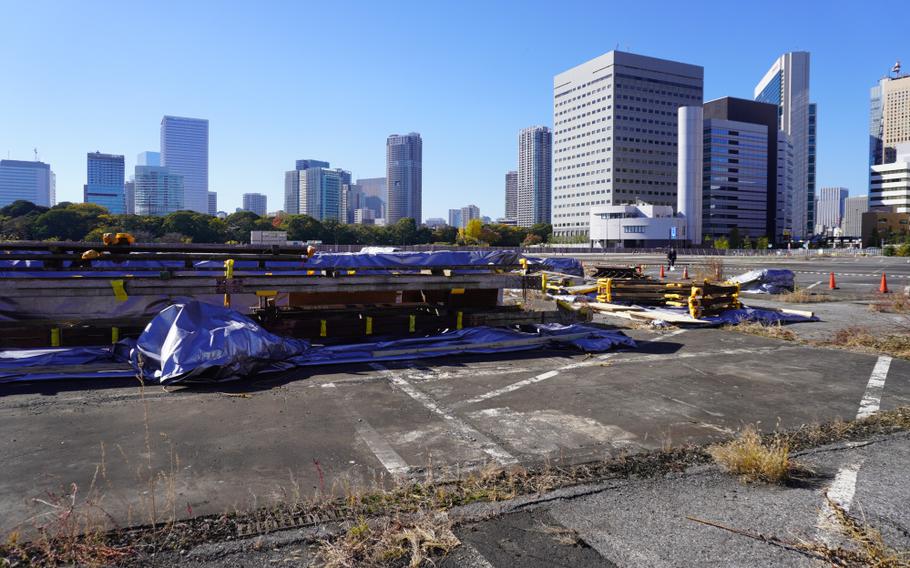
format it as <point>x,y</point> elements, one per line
<point>700,299</point>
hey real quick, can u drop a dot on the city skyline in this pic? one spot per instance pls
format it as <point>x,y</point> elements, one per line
<point>249,147</point>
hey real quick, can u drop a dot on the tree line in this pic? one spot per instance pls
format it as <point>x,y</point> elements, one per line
<point>23,220</point>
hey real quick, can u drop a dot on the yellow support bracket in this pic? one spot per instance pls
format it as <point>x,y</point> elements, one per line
<point>119,290</point>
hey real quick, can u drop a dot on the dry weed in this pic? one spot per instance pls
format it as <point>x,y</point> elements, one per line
<point>754,460</point>
<point>773,331</point>
<point>803,296</point>
<point>390,540</point>
<point>862,339</point>
<point>712,271</point>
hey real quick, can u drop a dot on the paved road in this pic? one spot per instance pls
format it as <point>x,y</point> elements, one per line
<point>322,429</point>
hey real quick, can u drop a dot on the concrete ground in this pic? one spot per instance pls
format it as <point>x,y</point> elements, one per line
<point>326,429</point>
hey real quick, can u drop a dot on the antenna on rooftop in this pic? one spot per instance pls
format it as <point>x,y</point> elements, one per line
<point>36,154</point>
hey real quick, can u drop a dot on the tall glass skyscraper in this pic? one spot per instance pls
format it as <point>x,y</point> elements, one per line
<point>316,190</point>
<point>786,85</point>
<point>105,178</point>
<point>255,202</point>
<point>31,181</point>
<point>404,176</point>
<point>511,209</point>
<point>185,152</point>
<point>158,191</point>
<point>534,175</point>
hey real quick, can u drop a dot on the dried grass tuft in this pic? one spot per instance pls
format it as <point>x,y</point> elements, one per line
<point>803,296</point>
<point>749,457</point>
<point>773,331</point>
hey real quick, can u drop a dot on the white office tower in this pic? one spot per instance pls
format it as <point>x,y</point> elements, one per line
<point>614,134</point>
<point>185,152</point>
<point>689,172</point>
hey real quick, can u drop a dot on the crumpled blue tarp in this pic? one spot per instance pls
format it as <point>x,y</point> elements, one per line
<point>197,341</point>
<point>757,315</point>
<point>765,281</point>
<point>51,364</point>
<point>203,341</point>
<point>563,265</point>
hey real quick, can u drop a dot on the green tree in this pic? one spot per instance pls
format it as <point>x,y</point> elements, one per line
<point>20,208</point>
<point>303,228</point>
<point>762,243</point>
<point>734,240</point>
<point>721,243</point>
<point>542,230</point>
<point>404,231</point>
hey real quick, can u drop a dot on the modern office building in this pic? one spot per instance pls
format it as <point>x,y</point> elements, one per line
<point>31,181</point>
<point>890,183</point>
<point>352,198</point>
<point>786,176</point>
<point>829,209</point>
<point>889,121</point>
<point>640,225</point>
<point>434,222</point>
<point>511,211</point>
<point>255,202</point>
<point>104,182</point>
<point>364,217</point>
<point>854,207</point>
<point>375,192</point>
<point>404,176</point>
<point>615,134</point>
<point>213,203</point>
<point>158,190</point>
<point>535,183</point>
<point>455,218</point>
<point>690,178</point>
<point>740,182</point>
<point>786,85</point>
<point>316,190</point>
<point>148,159</point>
<point>185,152</point>
<point>469,212</point>
<point>129,196</point>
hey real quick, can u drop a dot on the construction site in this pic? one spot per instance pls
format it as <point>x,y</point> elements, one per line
<point>238,405</point>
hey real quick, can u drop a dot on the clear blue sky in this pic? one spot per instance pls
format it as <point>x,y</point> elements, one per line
<point>280,81</point>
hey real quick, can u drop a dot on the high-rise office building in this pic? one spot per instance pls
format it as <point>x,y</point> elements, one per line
<point>455,218</point>
<point>615,134</point>
<point>786,85</point>
<point>511,211</point>
<point>535,183</point>
<point>213,203</point>
<point>316,190</point>
<point>255,202</point>
<point>786,176</point>
<point>104,182</point>
<point>829,209</point>
<point>129,196</point>
<point>158,190</point>
<point>469,212</point>
<point>30,181</point>
<point>740,173</point>
<point>889,189</point>
<point>404,176</point>
<point>185,152</point>
<point>889,121</point>
<point>148,158</point>
<point>375,191</point>
<point>854,207</point>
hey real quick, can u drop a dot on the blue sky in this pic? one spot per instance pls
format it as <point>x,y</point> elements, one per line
<point>280,81</point>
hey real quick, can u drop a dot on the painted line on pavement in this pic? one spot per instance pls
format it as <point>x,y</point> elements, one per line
<point>550,374</point>
<point>386,455</point>
<point>457,426</point>
<point>810,286</point>
<point>872,398</point>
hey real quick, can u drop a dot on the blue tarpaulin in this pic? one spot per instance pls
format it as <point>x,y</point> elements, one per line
<point>766,281</point>
<point>757,315</point>
<point>563,265</point>
<point>196,341</point>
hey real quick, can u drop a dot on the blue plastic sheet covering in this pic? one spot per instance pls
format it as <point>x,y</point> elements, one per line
<point>757,315</point>
<point>766,281</point>
<point>61,363</point>
<point>203,342</point>
<point>563,265</point>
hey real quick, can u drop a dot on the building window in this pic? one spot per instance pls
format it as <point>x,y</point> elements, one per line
<point>633,229</point>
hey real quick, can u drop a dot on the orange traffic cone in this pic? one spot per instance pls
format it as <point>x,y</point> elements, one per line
<point>831,283</point>
<point>686,272</point>
<point>662,272</point>
<point>883,287</point>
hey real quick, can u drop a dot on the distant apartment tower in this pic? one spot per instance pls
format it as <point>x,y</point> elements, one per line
<point>314,189</point>
<point>740,173</point>
<point>375,191</point>
<point>469,212</point>
<point>29,181</point>
<point>534,191</point>
<point>455,218</point>
<point>185,152</point>
<point>829,209</point>
<point>615,134</point>
<point>786,85</point>
<point>889,123</point>
<point>213,203</point>
<point>255,202</point>
<point>158,190</point>
<point>854,207</point>
<point>352,199</point>
<point>404,176</point>
<point>104,182</point>
<point>511,211</point>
